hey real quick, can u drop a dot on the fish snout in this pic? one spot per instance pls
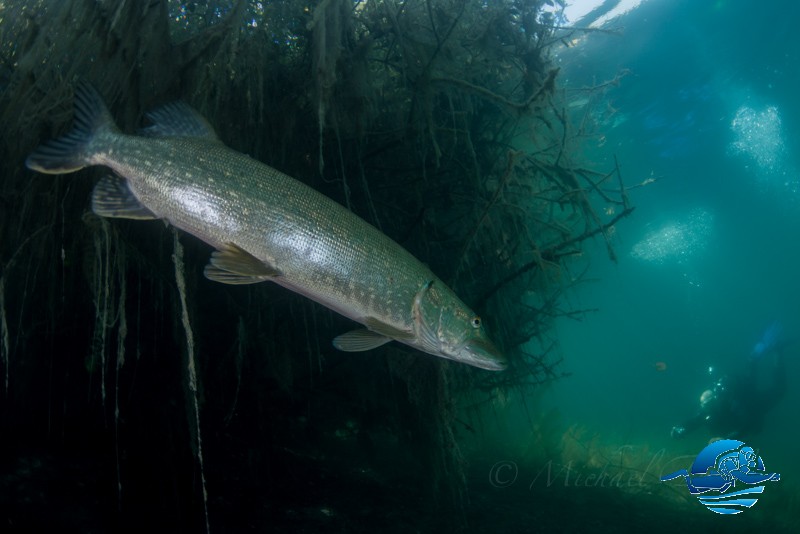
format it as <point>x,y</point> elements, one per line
<point>482,353</point>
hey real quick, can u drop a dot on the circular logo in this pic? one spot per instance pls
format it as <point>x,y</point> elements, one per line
<point>717,470</point>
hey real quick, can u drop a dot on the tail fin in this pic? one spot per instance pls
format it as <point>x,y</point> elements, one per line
<point>72,151</point>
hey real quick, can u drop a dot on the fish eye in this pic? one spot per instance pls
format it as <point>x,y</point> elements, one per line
<point>476,322</point>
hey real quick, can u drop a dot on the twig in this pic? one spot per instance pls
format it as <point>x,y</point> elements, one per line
<point>548,85</point>
<point>512,157</point>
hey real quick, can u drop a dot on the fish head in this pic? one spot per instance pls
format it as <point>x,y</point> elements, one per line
<point>448,328</point>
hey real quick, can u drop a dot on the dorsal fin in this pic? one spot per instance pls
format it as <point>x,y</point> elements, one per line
<point>178,119</point>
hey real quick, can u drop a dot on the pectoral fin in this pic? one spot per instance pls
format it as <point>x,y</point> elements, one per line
<point>233,265</point>
<point>359,340</point>
<point>112,197</point>
<point>386,330</point>
<point>376,334</point>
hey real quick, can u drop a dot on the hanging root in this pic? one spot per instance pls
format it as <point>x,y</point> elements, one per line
<point>122,334</point>
<point>241,340</point>
<point>328,25</point>
<point>5,342</point>
<point>101,294</point>
<point>4,348</point>
<point>177,258</point>
<point>104,258</point>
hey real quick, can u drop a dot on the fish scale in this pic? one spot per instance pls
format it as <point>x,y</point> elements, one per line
<point>266,225</point>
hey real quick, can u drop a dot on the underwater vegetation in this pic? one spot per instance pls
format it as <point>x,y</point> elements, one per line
<point>185,402</point>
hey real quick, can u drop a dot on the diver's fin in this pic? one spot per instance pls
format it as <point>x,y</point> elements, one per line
<point>360,340</point>
<point>112,197</point>
<point>233,265</point>
<point>178,119</point>
<point>72,151</point>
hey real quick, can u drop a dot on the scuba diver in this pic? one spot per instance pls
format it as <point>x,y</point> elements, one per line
<point>735,405</point>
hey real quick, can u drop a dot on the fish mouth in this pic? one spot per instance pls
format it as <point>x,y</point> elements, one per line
<point>482,353</point>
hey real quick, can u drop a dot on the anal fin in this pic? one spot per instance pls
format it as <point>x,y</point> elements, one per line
<point>112,197</point>
<point>233,265</point>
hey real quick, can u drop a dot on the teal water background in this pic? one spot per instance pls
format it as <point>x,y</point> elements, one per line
<point>712,253</point>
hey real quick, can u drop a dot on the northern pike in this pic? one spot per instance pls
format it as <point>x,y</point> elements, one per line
<point>266,225</point>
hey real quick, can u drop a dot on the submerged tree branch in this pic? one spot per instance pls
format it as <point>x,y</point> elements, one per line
<point>547,87</point>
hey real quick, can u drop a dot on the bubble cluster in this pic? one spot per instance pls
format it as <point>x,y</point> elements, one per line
<point>677,240</point>
<point>758,136</point>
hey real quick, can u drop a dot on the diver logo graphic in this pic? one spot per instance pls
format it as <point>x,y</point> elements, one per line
<point>717,468</point>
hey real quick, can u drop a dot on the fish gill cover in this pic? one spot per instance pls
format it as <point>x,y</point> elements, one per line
<point>439,122</point>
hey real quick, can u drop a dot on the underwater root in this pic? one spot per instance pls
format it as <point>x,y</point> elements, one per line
<point>180,280</point>
<point>4,354</point>
<point>5,335</point>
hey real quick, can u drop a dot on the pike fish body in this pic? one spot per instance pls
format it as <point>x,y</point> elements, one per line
<point>267,226</point>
